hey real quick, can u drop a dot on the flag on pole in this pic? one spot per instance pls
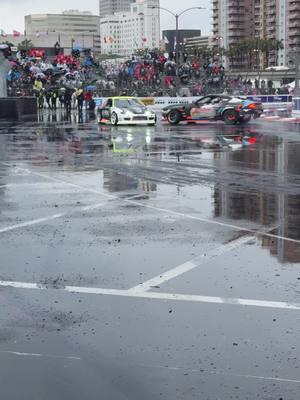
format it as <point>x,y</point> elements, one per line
<point>16,34</point>
<point>166,41</point>
<point>144,39</point>
<point>175,43</point>
<point>37,34</point>
<point>2,33</point>
<point>105,41</point>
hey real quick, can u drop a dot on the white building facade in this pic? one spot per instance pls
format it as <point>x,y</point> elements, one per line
<point>124,32</point>
<point>109,7</point>
<point>83,26</point>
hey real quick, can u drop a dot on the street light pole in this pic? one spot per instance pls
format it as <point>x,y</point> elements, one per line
<point>176,26</point>
<point>177,39</point>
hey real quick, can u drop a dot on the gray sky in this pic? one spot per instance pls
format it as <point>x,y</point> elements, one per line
<point>12,12</point>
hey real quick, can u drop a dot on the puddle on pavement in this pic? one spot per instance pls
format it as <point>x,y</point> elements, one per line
<point>246,173</point>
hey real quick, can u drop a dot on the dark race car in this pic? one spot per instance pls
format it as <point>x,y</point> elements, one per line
<point>214,107</point>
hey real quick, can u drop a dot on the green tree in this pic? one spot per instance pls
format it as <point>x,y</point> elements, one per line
<point>25,45</point>
<point>246,52</point>
<point>267,46</point>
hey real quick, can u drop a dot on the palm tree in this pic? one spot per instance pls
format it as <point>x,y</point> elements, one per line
<point>25,45</point>
<point>246,52</point>
<point>267,46</point>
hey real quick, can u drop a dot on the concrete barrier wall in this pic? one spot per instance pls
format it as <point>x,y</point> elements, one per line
<point>16,108</point>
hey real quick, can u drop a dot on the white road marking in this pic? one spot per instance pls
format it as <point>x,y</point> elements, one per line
<point>190,265</point>
<point>5,186</point>
<point>20,285</point>
<point>17,353</point>
<point>30,184</point>
<point>164,210</point>
<point>50,217</point>
<point>214,222</point>
<point>203,371</point>
<point>29,223</point>
<point>92,207</point>
<point>158,296</point>
<point>63,181</point>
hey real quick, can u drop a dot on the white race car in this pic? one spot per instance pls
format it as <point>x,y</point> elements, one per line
<point>125,111</point>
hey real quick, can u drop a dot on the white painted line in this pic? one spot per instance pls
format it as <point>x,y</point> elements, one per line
<point>92,207</point>
<point>32,184</point>
<point>29,223</point>
<point>49,218</point>
<point>237,375</point>
<point>17,353</point>
<point>213,222</point>
<point>66,182</point>
<point>159,296</point>
<point>137,196</point>
<point>164,277</point>
<point>160,209</point>
<point>190,265</point>
<point>20,285</point>
<point>215,300</point>
<point>5,186</point>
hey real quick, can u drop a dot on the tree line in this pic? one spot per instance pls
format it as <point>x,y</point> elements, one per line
<point>249,53</point>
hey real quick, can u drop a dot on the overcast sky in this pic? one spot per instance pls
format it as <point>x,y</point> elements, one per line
<point>12,12</point>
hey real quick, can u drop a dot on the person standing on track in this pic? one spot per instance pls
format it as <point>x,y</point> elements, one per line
<point>68,100</point>
<point>80,99</point>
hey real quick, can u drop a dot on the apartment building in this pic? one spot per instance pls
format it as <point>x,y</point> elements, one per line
<point>236,20</point>
<point>233,21</point>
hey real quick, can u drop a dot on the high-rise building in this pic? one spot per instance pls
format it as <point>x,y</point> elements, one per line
<point>233,21</point>
<point>271,22</point>
<point>124,32</point>
<point>293,24</point>
<point>72,23</point>
<point>236,20</point>
<point>280,20</point>
<point>109,7</point>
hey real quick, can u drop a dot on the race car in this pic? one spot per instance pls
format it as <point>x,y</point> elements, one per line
<point>125,111</point>
<point>215,107</point>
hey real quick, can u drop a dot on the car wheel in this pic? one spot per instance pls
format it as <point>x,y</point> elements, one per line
<point>114,119</point>
<point>173,117</point>
<point>231,117</point>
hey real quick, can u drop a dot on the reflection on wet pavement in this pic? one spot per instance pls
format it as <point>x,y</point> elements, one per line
<point>208,214</point>
<point>248,173</point>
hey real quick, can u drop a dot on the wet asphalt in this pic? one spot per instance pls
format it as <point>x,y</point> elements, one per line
<point>104,210</point>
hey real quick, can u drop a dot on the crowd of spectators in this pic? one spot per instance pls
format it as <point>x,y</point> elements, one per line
<point>77,77</point>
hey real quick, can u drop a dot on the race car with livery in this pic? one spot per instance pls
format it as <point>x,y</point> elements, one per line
<point>229,109</point>
<point>125,111</point>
